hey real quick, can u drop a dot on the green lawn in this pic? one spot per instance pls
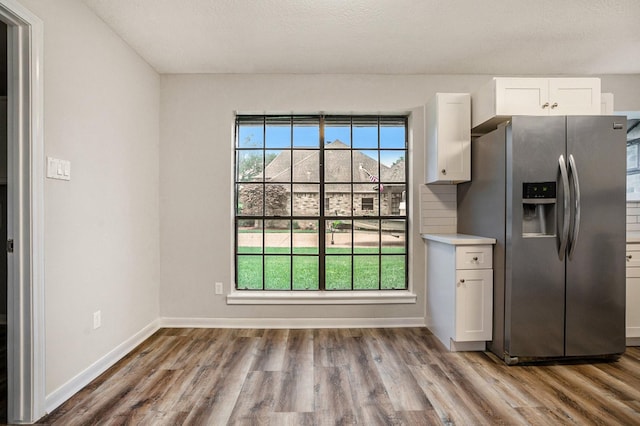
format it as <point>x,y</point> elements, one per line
<point>368,269</point>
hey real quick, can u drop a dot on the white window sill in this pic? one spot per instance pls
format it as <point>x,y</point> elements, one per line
<point>320,297</point>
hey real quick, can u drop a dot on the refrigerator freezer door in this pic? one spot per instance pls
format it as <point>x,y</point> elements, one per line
<point>534,291</point>
<point>595,294</point>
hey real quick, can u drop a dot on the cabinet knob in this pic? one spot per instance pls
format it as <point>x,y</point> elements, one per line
<point>444,171</point>
<point>554,105</point>
<point>462,280</point>
<point>475,258</point>
<point>545,105</point>
<point>629,257</point>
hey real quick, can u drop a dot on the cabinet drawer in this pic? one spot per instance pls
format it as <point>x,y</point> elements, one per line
<point>633,272</point>
<point>474,257</point>
<point>633,255</point>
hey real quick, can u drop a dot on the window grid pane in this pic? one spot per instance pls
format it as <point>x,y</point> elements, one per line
<point>298,178</point>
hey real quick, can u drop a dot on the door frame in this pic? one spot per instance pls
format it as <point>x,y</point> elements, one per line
<point>25,214</point>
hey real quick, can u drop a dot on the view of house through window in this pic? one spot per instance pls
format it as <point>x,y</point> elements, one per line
<point>633,162</point>
<point>320,202</point>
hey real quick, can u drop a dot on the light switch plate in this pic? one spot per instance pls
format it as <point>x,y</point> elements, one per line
<point>97,319</point>
<point>58,169</point>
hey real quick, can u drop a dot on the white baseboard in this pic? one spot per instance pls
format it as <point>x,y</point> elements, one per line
<point>633,341</point>
<point>66,391</point>
<point>467,346</point>
<point>291,322</point>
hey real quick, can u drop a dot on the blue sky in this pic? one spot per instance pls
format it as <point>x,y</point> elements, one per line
<point>364,137</point>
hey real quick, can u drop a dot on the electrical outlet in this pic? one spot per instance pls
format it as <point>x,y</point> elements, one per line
<point>219,288</point>
<point>97,319</point>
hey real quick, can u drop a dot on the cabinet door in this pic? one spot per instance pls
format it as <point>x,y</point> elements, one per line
<point>522,96</point>
<point>633,303</point>
<point>474,304</point>
<point>448,136</point>
<point>574,96</point>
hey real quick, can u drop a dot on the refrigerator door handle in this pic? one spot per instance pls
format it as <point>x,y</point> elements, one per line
<point>564,236</point>
<point>576,218</point>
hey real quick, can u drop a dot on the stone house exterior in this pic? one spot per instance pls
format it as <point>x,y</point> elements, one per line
<point>340,169</point>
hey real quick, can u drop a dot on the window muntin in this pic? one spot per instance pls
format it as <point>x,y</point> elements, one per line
<point>321,203</point>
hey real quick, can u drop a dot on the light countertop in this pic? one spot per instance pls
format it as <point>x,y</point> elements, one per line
<point>462,239</point>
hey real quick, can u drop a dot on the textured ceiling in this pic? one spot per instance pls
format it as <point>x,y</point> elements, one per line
<point>380,36</point>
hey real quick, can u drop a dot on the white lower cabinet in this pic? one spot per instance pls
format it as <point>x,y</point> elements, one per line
<point>460,290</point>
<point>633,294</point>
<point>474,304</point>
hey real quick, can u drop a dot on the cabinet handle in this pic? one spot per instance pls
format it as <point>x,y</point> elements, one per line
<point>554,105</point>
<point>461,280</point>
<point>444,171</point>
<point>475,258</point>
<point>629,257</point>
<point>545,105</point>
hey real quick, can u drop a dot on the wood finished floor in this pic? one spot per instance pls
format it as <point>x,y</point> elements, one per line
<point>397,376</point>
<point>3,373</point>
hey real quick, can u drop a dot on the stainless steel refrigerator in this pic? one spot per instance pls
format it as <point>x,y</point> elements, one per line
<point>551,191</point>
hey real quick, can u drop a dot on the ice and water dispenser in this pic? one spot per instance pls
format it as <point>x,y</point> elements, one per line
<point>538,209</point>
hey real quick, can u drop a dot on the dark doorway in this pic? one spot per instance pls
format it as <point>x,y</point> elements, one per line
<point>3,222</point>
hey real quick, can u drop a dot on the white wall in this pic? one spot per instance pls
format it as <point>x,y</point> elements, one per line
<point>101,110</point>
<point>196,174</point>
<point>625,89</point>
<point>196,180</point>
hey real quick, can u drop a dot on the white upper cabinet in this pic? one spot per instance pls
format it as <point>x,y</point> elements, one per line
<point>606,103</point>
<point>574,96</point>
<point>504,97</point>
<point>448,138</point>
<point>520,96</point>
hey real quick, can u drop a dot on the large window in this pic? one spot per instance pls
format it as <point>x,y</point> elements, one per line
<point>633,157</point>
<point>320,202</point>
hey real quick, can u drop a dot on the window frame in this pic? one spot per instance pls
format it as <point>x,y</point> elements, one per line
<point>323,218</point>
<point>635,168</point>
<point>633,143</point>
